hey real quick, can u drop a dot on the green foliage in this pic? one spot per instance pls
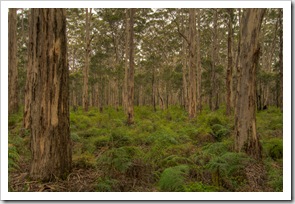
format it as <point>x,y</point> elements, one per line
<point>173,178</point>
<point>75,137</point>
<point>101,141</point>
<point>119,160</point>
<point>275,174</point>
<point>119,137</point>
<point>13,158</point>
<point>106,184</point>
<point>270,122</point>
<point>199,187</point>
<point>228,169</point>
<point>85,160</point>
<point>219,131</point>
<point>273,148</point>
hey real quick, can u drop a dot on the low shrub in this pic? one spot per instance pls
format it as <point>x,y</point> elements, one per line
<point>199,187</point>
<point>173,178</point>
<point>85,160</point>
<point>13,158</point>
<point>106,184</point>
<point>273,148</point>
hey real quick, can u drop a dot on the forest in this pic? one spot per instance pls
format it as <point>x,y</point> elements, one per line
<point>145,100</point>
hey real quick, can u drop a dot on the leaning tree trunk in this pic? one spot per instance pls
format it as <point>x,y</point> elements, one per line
<point>192,107</point>
<point>246,137</point>
<point>12,62</point>
<point>49,95</point>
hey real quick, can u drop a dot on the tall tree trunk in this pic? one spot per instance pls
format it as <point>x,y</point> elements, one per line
<point>86,67</point>
<point>213,91</point>
<point>246,137</point>
<point>130,86</point>
<point>184,67</point>
<point>238,68</point>
<point>154,90</point>
<point>199,66</point>
<point>12,62</point>
<point>49,95</point>
<point>125,87</point>
<point>184,75</point>
<point>281,59</point>
<point>230,62</point>
<point>192,64</point>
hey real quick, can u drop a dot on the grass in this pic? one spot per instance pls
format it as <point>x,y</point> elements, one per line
<point>163,150</point>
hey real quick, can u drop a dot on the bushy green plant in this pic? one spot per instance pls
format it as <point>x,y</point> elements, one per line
<point>173,178</point>
<point>119,137</point>
<point>119,159</point>
<point>199,187</point>
<point>219,131</point>
<point>106,184</point>
<point>273,148</point>
<point>228,168</point>
<point>175,160</point>
<point>101,141</point>
<point>13,158</point>
<point>274,174</point>
<point>75,137</point>
<point>85,160</point>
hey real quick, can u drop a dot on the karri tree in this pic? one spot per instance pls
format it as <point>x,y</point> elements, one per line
<point>12,61</point>
<point>246,137</point>
<point>48,95</point>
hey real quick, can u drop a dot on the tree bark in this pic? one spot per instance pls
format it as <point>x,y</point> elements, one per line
<point>246,137</point>
<point>130,86</point>
<point>213,92</point>
<point>238,68</point>
<point>199,66</point>
<point>125,87</point>
<point>12,62</point>
<point>230,62</point>
<point>281,59</point>
<point>49,95</point>
<point>86,67</point>
<point>192,64</point>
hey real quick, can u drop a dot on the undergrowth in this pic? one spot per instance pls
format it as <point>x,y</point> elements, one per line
<point>163,150</point>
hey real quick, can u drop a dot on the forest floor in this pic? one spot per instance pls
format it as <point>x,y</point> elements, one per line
<point>162,151</point>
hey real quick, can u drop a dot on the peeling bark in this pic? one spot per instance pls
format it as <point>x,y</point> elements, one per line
<point>48,95</point>
<point>246,137</point>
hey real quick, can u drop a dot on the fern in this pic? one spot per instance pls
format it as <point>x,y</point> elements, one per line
<point>173,178</point>
<point>119,159</point>
<point>13,158</point>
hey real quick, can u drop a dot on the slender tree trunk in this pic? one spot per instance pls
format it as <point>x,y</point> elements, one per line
<point>184,67</point>
<point>86,67</point>
<point>184,75</point>
<point>12,62</point>
<point>192,64</point>
<point>230,63</point>
<point>130,86</point>
<point>246,137</point>
<point>154,90</point>
<point>213,91</point>
<point>238,68</point>
<point>199,66</point>
<point>281,59</point>
<point>49,95</point>
<point>127,39</point>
